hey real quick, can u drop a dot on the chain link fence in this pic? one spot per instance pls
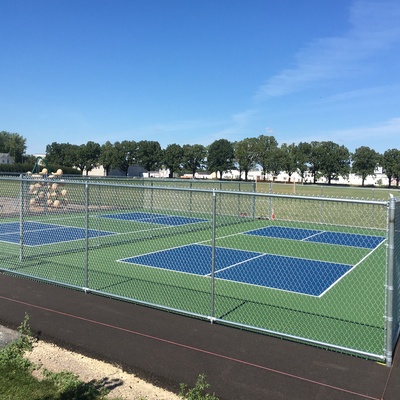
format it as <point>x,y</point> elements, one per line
<point>249,186</point>
<point>334,190</point>
<point>318,270</point>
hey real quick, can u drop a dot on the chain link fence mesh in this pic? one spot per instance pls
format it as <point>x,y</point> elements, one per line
<point>312,269</point>
<point>318,190</point>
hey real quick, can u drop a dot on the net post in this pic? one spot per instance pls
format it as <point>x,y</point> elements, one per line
<point>389,281</point>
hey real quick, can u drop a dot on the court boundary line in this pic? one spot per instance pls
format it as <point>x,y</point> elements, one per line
<point>355,265</point>
<point>54,228</point>
<point>320,232</point>
<point>123,260</point>
<point>158,215</point>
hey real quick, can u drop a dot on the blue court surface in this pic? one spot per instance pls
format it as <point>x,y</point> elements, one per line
<point>291,274</point>
<point>311,235</point>
<point>160,219</point>
<point>37,233</point>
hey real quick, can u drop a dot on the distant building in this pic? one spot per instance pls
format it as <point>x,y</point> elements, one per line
<point>134,171</point>
<point>5,158</point>
<point>379,178</point>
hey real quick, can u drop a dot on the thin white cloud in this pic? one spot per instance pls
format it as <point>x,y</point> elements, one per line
<point>235,126</point>
<point>195,131</point>
<point>374,26</point>
<point>380,137</point>
<point>244,117</point>
<point>384,135</point>
<point>361,93</point>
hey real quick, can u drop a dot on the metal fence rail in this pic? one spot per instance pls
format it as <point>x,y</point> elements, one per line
<point>319,270</point>
<point>234,185</point>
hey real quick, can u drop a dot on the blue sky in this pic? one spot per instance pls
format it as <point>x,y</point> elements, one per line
<point>193,71</point>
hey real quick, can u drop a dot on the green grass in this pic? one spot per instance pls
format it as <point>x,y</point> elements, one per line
<point>198,392</point>
<point>18,383</point>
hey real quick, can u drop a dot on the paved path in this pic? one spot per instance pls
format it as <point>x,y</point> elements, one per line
<point>174,349</point>
<point>7,336</point>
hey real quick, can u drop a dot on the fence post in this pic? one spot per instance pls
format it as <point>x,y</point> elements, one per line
<point>213,234</point>
<point>98,211</point>
<point>21,217</point>
<point>389,281</point>
<point>254,201</point>
<point>86,235</point>
<point>271,206</point>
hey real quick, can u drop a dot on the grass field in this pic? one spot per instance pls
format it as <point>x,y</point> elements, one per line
<point>348,316</point>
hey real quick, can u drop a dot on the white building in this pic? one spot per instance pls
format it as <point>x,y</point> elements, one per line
<point>378,179</point>
<point>5,158</point>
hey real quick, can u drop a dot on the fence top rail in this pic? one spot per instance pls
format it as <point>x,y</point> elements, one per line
<point>319,199</point>
<point>199,190</point>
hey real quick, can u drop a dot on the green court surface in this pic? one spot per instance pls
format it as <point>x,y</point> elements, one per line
<point>346,315</point>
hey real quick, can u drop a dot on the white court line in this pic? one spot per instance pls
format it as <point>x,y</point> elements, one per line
<point>315,234</point>
<point>353,267</point>
<point>154,252</point>
<point>239,263</point>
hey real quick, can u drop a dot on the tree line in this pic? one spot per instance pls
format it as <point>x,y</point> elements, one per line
<point>319,158</point>
<point>13,144</point>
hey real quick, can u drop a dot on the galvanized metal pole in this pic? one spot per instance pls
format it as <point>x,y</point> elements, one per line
<point>389,281</point>
<point>254,201</point>
<point>87,235</point>
<point>21,218</point>
<point>213,234</point>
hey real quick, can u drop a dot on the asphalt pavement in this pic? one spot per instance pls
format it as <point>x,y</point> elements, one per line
<point>7,335</point>
<point>169,349</point>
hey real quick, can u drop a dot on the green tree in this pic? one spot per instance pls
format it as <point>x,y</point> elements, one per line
<point>302,157</point>
<point>124,155</point>
<point>316,159</point>
<point>335,161</point>
<point>364,162</point>
<point>149,154</point>
<point>263,147</point>
<point>63,154</point>
<point>220,156</point>
<point>245,155</point>
<point>288,159</point>
<point>29,159</point>
<point>391,165</point>
<point>14,144</point>
<point>72,156</point>
<point>173,158</point>
<point>54,153</point>
<point>106,156</point>
<point>193,157</point>
<point>277,156</point>
<point>87,156</point>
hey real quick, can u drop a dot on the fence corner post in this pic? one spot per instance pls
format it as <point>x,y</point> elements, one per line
<point>389,281</point>
<point>214,217</point>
